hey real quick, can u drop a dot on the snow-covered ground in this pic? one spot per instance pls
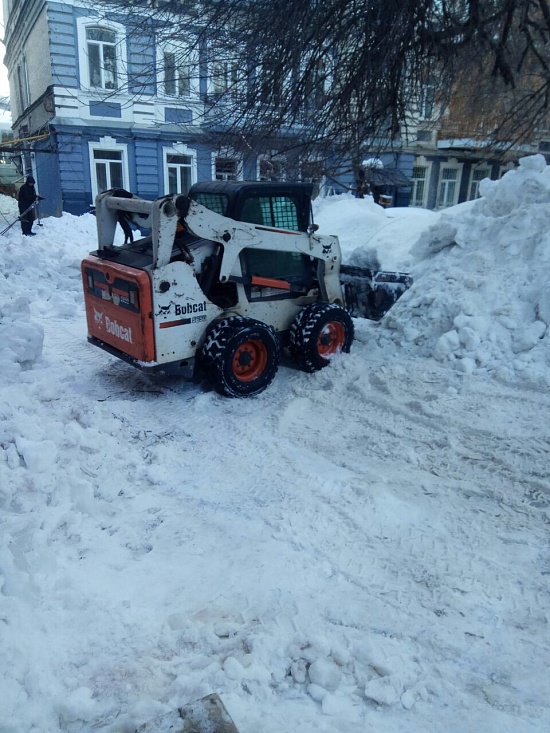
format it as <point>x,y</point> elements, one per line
<point>361,549</point>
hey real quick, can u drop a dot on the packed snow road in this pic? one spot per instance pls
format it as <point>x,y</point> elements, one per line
<point>362,547</point>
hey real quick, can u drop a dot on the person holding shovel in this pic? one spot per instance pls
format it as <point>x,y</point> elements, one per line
<point>26,197</point>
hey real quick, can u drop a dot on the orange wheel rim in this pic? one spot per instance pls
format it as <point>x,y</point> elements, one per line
<point>331,339</point>
<point>250,360</point>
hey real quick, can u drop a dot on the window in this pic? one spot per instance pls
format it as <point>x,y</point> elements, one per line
<point>179,173</point>
<point>478,175</point>
<point>178,74</point>
<point>102,52</point>
<point>108,165</point>
<point>108,168</point>
<point>291,267</point>
<point>503,169</point>
<point>311,171</point>
<point>177,79</point>
<point>419,180</point>
<point>102,62</point>
<point>180,169</point>
<point>427,102</point>
<point>23,85</point>
<point>271,170</point>
<point>227,165</point>
<point>226,169</point>
<point>216,202</point>
<point>224,77</point>
<point>316,86</point>
<point>270,84</point>
<point>448,189</point>
<point>272,211</point>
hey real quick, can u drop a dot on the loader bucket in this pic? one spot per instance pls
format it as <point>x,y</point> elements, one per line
<point>207,715</point>
<point>371,293</point>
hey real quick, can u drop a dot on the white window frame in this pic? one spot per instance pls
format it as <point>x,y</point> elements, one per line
<point>193,63</point>
<point>232,86</point>
<point>230,154</point>
<point>323,71</point>
<point>426,103</point>
<point>108,143</point>
<point>120,50</point>
<point>279,161</point>
<point>420,163</point>
<point>23,88</point>
<point>442,181</point>
<point>179,149</point>
<point>473,184</point>
<point>503,169</point>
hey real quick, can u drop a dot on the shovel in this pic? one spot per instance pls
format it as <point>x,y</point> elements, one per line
<point>207,715</point>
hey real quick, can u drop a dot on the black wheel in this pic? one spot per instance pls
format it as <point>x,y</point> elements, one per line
<point>319,332</point>
<point>241,356</point>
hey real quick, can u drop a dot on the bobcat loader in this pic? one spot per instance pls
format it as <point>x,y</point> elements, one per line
<point>223,281</point>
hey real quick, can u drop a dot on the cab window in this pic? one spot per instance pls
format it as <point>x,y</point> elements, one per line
<point>293,268</point>
<point>216,202</point>
<point>272,211</point>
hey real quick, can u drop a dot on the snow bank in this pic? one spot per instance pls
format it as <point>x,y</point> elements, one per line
<point>21,338</point>
<point>480,301</point>
<point>369,235</point>
<point>44,269</point>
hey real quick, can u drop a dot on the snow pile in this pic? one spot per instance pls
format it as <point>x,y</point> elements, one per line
<point>369,235</point>
<point>35,270</point>
<point>480,300</point>
<point>359,219</point>
<point>21,338</point>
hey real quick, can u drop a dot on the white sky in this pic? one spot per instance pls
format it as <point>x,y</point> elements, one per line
<point>4,85</point>
<point>5,115</point>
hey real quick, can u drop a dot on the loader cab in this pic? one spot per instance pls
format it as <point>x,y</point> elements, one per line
<point>271,205</point>
<point>276,205</point>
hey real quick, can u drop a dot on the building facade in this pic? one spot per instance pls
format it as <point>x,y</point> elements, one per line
<point>95,106</point>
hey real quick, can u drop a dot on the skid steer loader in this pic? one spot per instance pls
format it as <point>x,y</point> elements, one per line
<point>222,281</point>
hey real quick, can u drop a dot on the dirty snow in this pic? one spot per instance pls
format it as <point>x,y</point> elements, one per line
<point>365,548</point>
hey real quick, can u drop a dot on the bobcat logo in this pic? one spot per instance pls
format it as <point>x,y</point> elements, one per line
<point>98,317</point>
<point>327,248</point>
<point>164,310</point>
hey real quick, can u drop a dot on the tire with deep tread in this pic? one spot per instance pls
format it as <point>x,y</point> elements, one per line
<point>241,356</point>
<point>319,332</point>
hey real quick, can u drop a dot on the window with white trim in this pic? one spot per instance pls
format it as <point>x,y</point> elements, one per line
<point>419,185</point>
<point>427,102</point>
<point>447,193</point>
<point>108,165</point>
<point>23,85</point>
<point>224,78</point>
<point>503,169</point>
<point>226,169</point>
<point>180,169</point>
<point>271,170</point>
<point>102,52</point>
<point>316,85</point>
<point>270,85</point>
<point>478,174</point>
<point>311,171</point>
<point>227,165</point>
<point>178,70</point>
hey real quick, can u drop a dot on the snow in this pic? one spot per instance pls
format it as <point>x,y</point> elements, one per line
<point>364,548</point>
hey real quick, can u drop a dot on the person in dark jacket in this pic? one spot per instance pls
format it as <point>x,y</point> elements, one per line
<point>25,198</point>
